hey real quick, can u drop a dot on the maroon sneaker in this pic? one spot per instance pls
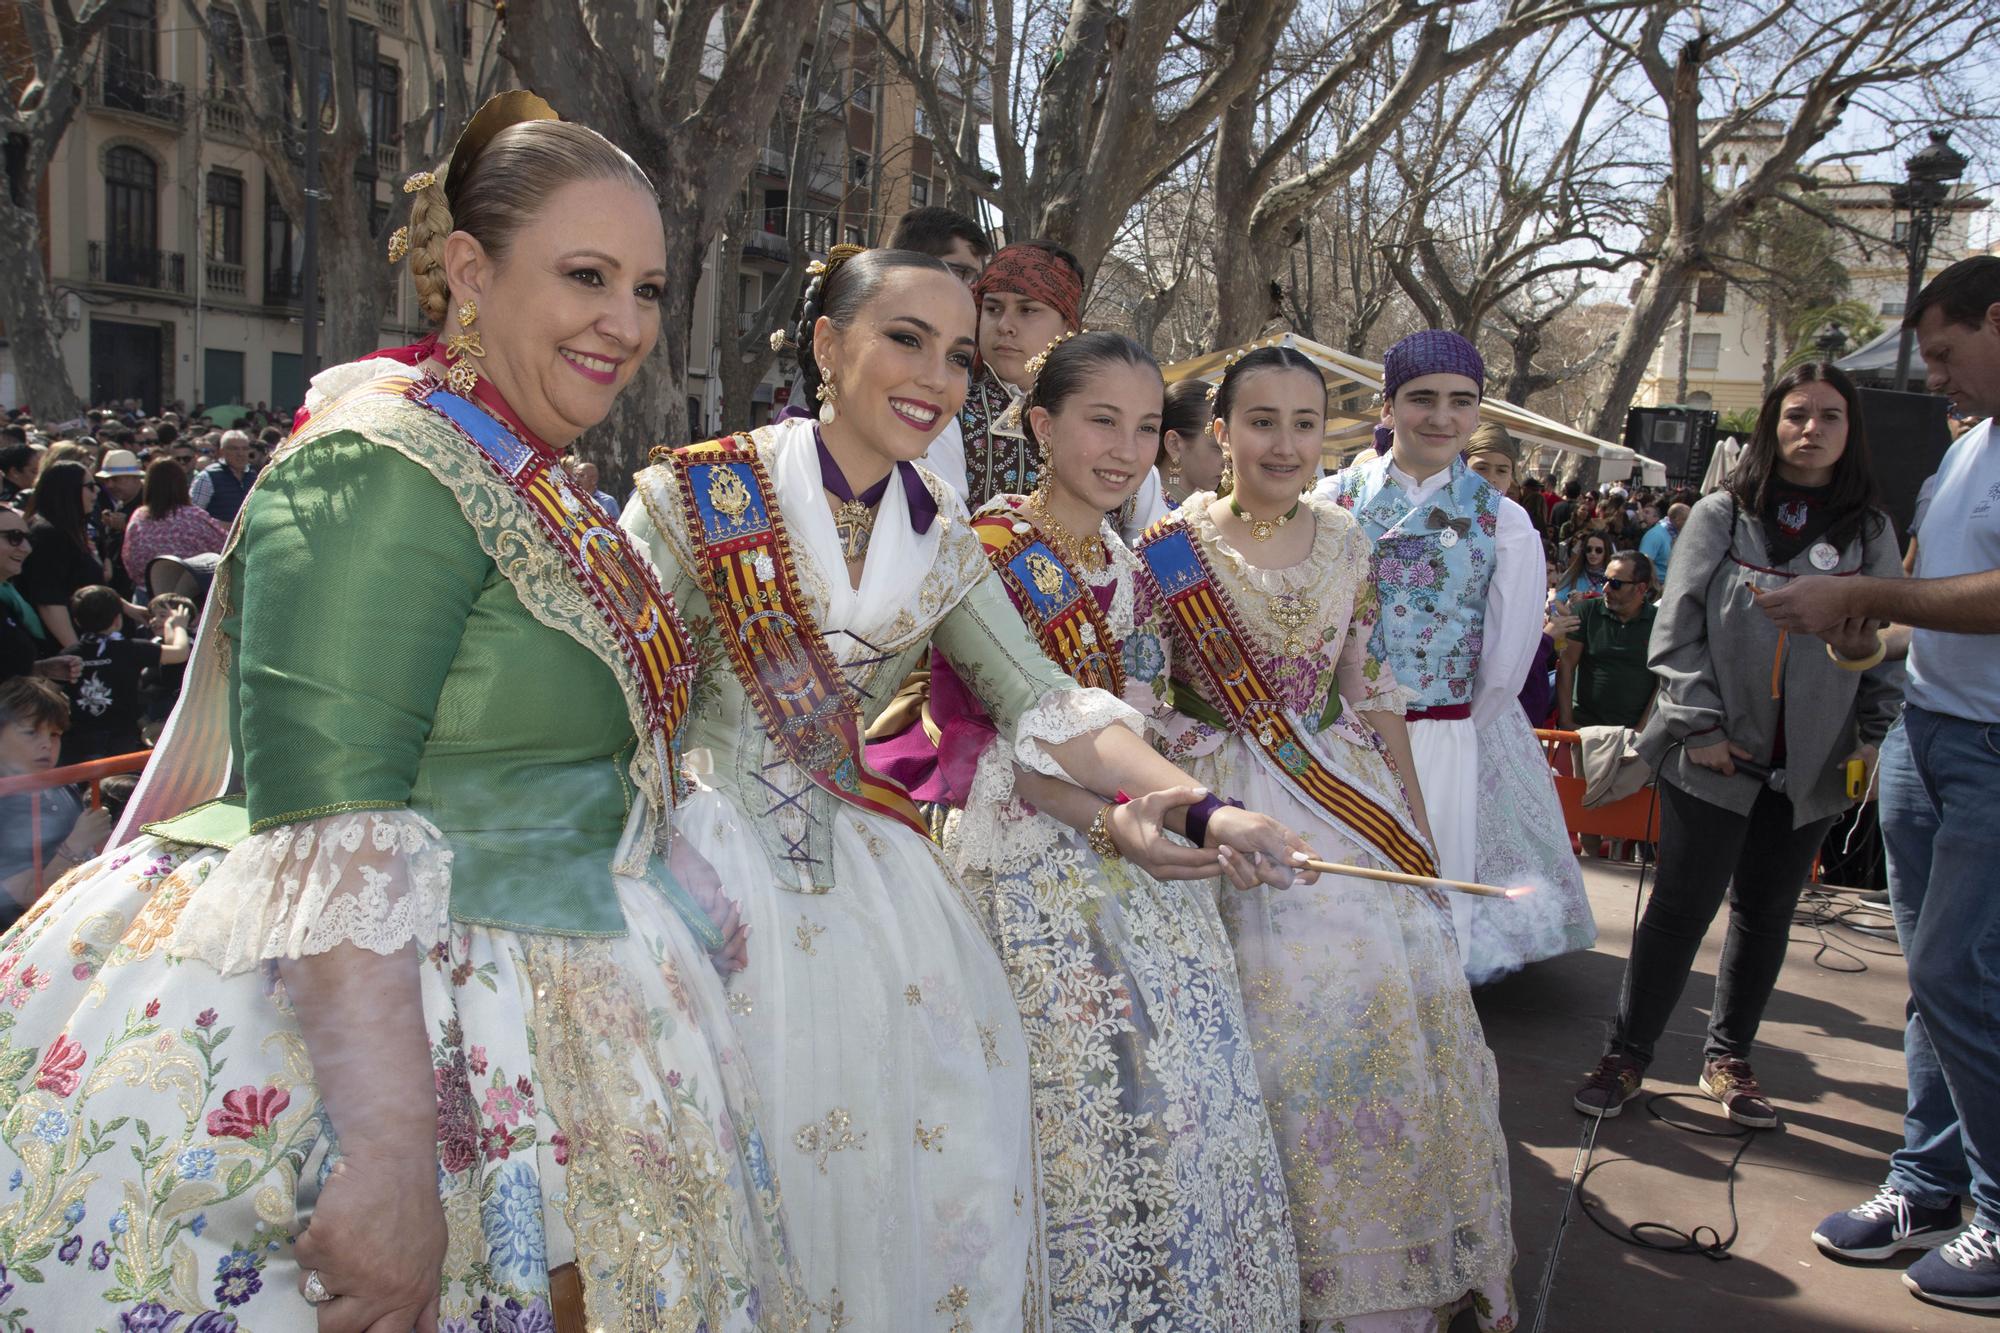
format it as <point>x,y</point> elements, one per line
<point>1614,1082</point>
<point>1731,1082</point>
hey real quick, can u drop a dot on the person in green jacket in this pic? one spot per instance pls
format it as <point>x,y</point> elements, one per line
<point>404,999</point>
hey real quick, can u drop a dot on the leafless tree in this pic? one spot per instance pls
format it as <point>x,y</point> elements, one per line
<point>40,91</point>
<point>1710,76</point>
<point>689,88</point>
<point>258,53</point>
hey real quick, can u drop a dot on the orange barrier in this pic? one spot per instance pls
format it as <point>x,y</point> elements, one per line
<point>93,772</point>
<point>1632,817</point>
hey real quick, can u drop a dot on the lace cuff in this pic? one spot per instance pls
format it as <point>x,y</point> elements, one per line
<point>994,831</point>
<point>1395,698</point>
<point>1063,715</point>
<point>379,879</point>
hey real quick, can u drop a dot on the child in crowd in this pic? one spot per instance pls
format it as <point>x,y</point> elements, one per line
<point>162,685</point>
<point>107,702</point>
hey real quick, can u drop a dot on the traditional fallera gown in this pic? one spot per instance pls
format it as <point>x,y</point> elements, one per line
<point>1162,1192</point>
<point>445,689</point>
<point>1374,1066</point>
<point>880,1023</point>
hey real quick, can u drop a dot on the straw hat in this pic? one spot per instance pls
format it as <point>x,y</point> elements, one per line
<point>120,463</point>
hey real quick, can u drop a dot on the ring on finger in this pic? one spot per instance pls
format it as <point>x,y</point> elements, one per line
<point>315,1290</point>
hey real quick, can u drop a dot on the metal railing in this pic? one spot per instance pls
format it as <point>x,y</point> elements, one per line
<point>94,772</point>
<point>138,266</point>
<point>139,92</point>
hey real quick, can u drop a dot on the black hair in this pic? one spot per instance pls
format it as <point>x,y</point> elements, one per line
<point>1640,561</point>
<point>95,609</point>
<point>270,437</point>
<point>1264,358</point>
<point>165,434</point>
<point>1187,413</point>
<point>16,456</point>
<point>1964,292</point>
<point>1572,489</point>
<point>1071,364</point>
<point>841,291</point>
<point>932,229</point>
<point>1852,498</point>
<point>58,498</point>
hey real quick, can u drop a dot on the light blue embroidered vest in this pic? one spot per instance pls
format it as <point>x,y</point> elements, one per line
<point>1432,588</point>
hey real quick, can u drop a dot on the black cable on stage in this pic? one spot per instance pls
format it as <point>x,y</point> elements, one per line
<point>1716,1249</point>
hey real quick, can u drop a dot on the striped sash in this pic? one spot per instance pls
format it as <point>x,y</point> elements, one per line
<point>1207,627</point>
<point>743,562</point>
<point>1056,605</point>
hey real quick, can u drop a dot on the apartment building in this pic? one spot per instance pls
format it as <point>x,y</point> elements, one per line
<point>170,256</point>
<point>1724,332</point>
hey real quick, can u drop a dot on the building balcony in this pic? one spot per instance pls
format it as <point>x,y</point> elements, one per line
<point>133,266</point>
<point>137,92</point>
<point>222,116</point>
<point>390,14</point>
<point>388,158</point>
<point>768,245</point>
<point>224,279</point>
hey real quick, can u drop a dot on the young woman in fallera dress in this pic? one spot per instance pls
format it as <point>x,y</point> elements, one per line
<point>821,563</point>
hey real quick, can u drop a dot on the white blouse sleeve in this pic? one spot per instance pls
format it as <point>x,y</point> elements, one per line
<point>1514,605</point>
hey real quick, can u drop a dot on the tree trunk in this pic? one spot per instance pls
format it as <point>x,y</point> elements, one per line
<point>1687,346</point>
<point>1652,310</point>
<point>357,278</point>
<point>1243,268</point>
<point>33,333</point>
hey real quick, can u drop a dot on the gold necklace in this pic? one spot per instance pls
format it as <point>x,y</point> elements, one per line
<point>1263,529</point>
<point>1292,611</point>
<point>1085,554</point>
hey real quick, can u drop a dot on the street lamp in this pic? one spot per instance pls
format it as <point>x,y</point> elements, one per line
<point>1932,172</point>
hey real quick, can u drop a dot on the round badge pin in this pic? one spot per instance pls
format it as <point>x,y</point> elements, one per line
<point>1448,538</point>
<point>1823,556</point>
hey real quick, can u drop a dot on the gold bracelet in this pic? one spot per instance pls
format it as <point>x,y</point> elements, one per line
<point>1099,835</point>
<point>1862,663</point>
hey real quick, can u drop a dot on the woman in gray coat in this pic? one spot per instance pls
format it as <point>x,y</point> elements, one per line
<point>1755,731</point>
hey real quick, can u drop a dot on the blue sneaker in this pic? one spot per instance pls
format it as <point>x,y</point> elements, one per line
<point>1964,1274</point>
<point>1887,1224</point>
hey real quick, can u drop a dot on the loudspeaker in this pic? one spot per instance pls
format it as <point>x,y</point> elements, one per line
<point>1679,438</point>
<point>1907,439</point>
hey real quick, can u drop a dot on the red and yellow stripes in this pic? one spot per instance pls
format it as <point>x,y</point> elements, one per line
<point>1208,628</point>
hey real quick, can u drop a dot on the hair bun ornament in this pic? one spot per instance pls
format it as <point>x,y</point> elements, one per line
<point>399,245</point>
<point>780,340</point>
<point>1034,364</point>
<point>499,112</point>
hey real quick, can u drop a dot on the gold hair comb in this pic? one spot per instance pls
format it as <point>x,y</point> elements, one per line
<point>1033,368</point>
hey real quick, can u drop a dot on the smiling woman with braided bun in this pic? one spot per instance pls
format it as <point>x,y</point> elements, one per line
<point>402,1008</point>
<point>882,1029</point>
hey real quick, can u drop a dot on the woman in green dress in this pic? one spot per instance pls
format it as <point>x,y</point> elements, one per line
<point>413,1011</point>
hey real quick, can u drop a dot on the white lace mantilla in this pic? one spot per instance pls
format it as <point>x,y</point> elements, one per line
<point>994,831</point>
<point>379,879</point>
<point>1063,715</point>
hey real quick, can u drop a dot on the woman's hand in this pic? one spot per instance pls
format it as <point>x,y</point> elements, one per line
<point>1256,849</point>
<point>65,668</point>
<point>698,877</point>
<point>377,1241</point>
<point>1137,830</point>
<point>1720,757</point>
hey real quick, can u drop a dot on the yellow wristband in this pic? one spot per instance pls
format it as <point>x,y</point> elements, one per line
<point>1861,663</point>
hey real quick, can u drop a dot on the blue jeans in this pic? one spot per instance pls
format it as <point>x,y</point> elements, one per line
<point>1940,790</point>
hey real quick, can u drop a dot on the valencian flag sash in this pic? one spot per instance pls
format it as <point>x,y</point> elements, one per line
<point>743,562</point>
<point>1208,627</point>
<point>599,556</point>
<point>1058,607</point>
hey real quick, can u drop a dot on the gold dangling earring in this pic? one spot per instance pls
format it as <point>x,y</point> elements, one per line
<point>1045,464</point>
<point>462,347</point>
<point>828,397</point>
<point>1228,482</point>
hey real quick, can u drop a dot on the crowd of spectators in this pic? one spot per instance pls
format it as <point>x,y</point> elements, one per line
<point>93,512</point>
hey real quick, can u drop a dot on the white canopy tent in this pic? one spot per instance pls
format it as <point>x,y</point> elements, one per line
<point>1348,430</point>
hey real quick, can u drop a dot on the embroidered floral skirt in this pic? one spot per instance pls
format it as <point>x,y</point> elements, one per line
<point>893,1074</point>
<point>1377,1076</point>
<point>161,1141</point>
<point>1163,1198</point>
<point>1523,839</point>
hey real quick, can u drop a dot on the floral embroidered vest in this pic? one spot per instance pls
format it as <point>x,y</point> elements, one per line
<point>1000,459</point>
<point>1432,586</point>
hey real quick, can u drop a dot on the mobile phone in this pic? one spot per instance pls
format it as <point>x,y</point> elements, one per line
<point>1857,779</point>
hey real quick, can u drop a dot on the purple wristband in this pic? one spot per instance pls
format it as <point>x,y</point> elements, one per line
<point>1200,813</point>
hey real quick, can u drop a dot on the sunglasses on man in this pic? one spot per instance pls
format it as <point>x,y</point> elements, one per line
<point>1614,585</point>
<point>15,537</point>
